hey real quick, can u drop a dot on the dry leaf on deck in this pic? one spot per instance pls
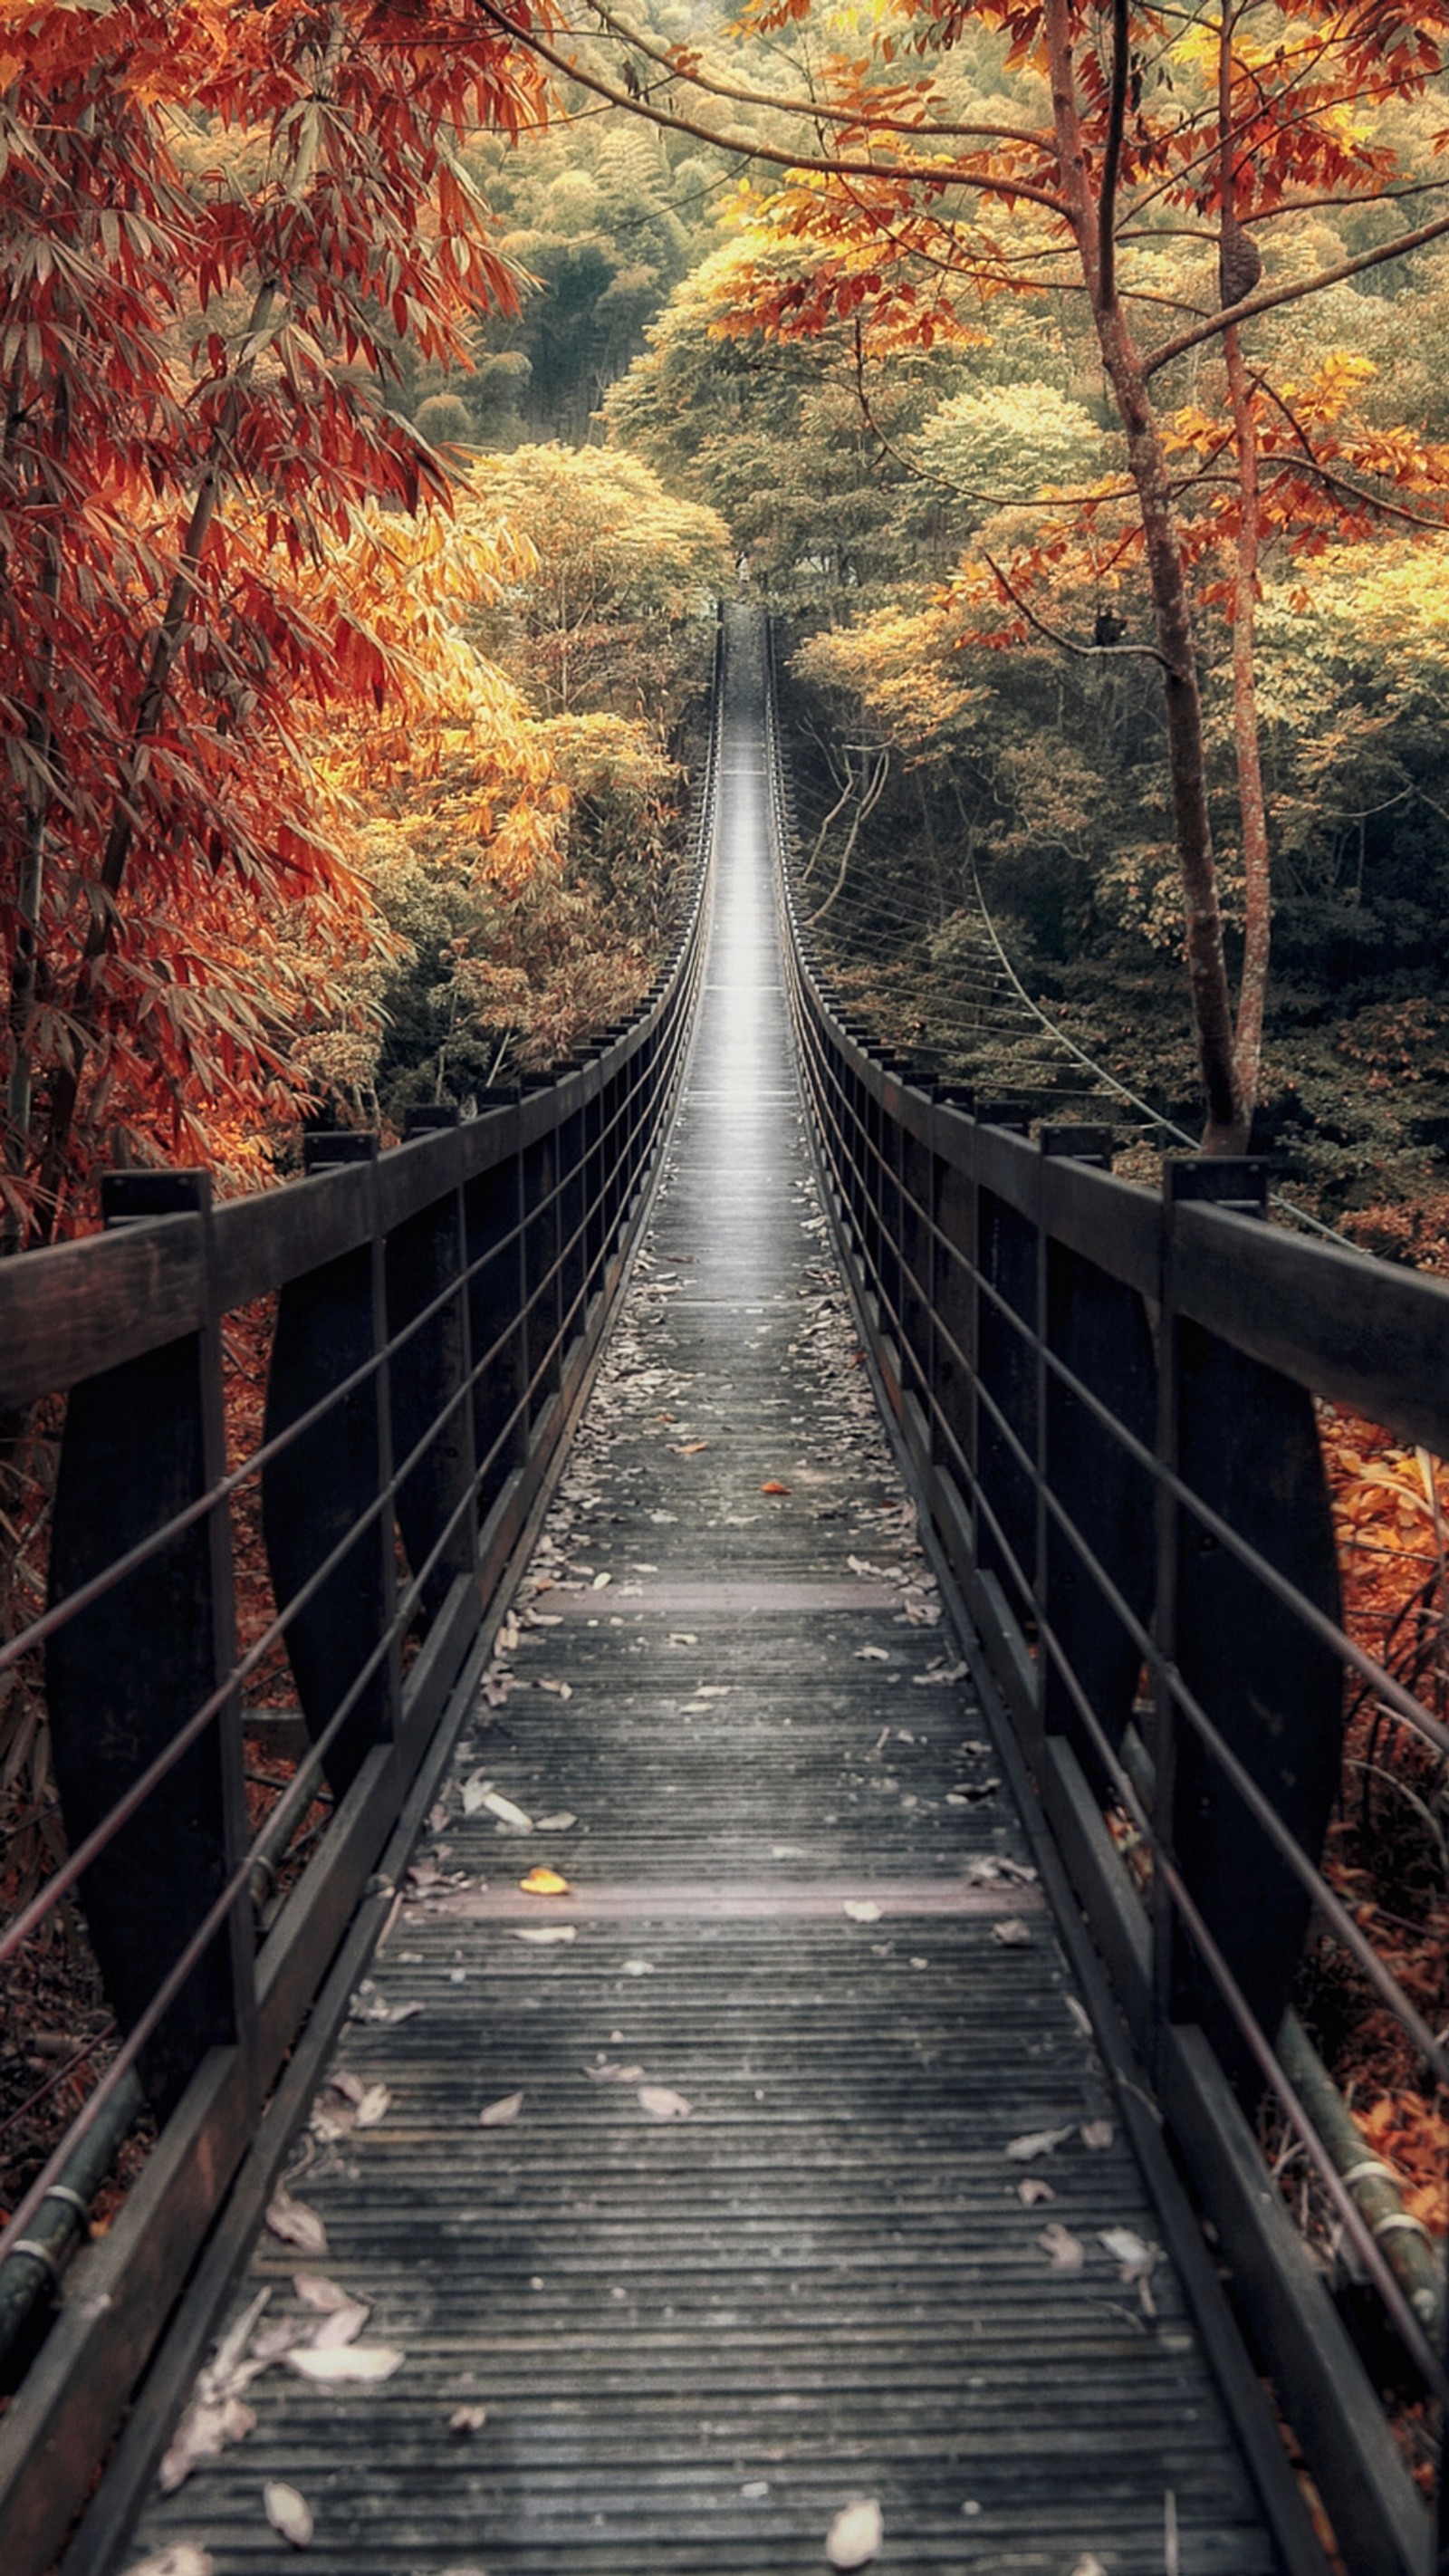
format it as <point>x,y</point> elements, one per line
<point>543,1935</point>
<point>861,1909</point>
<point>341,2326</point>
<point>296,2224</point>
<point>467,2419</point>
<point>774,1488</point>
<point>854,2536</point>
<point>1036,2142</point>
<point>1031,2194</point>
<point>545,1882</point>
<point>872,1655</point>
<point>662,2104</point>
<point>335,2363</point>
<point>328,2298</point>
<point>351,2087</point>
<point>288,2512</point>
<point>1013,1934</point>
<point>1067,2251</point>
<point>1089,2565</point>
<point>374,2106</point>
<point>638,1968</point>
<point>558,1824</point>
<point>180,2560</point>
<point>499,2114</point>
<point>203,2433</point>
<point>1097,2134</point>
<point>688,1448</point>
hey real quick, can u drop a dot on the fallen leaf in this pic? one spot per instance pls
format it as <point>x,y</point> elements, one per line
<point>854,2536</point>
<point>638,1968</point>
<point>773,1488</point>
<point>688,1448</point>
<point>872,1655</point>
<point>334,2362</point>
<point>181,2560</point>
<point>203,2433</point>
<point>1013,1934</point>
<point>1036,2142</point>
<point>682,1637</point>
<point>316,2291</point>
<point>340,2326</point>
<point>545,1882</point>
<point>288,2512</point>
<point>662,2104</point>
<point>948,1673</point>
<point>296,2224</point>
<point>558,1824</point>
<point>1097,2134</point>
<point>602,1582</point>
<point>499,2113</point>
<point>219,2379</point>
<point>1033,2192</point>
<point>1067,2251</point>
<point>561,1690</point>
<point>351,2087</point>
<point>1089,2565</point>
<point>545,1935</point>
<point>467,2419</point>
<point>862,1909</point>
<point>273,2341</point>
<point>373,2107</point>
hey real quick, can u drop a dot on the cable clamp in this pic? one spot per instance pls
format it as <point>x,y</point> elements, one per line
<point>38,2254</point>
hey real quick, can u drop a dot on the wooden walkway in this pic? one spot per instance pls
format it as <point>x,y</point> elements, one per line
<point>636,2344</point>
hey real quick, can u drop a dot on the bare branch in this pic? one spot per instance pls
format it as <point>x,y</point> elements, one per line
<point>1068,643</point>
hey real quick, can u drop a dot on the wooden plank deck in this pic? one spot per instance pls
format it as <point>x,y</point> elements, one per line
<point>697,2338</point>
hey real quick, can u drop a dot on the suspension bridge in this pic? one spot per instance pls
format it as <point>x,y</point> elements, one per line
<point>736,2040</point>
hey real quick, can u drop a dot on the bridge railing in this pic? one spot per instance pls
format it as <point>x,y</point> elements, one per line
<point>1110,1400</point>
<point>426,1319</point>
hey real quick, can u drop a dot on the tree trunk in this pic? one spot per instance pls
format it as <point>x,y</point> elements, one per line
<point>1225,1131</point>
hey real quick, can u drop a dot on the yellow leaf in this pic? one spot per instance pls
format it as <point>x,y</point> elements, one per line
<point>545,1882</point>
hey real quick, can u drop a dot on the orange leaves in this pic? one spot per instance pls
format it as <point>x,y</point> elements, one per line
<point>1411,2136</point>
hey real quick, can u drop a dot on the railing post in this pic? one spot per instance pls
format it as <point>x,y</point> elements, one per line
<point>1097,1327</point>
<point>123,1677</point>
<point>424,1258</point>
<point>330,1322</point>
<point>543,1359</point>
<point>493,1239</point>
<point>1244,1439</point>
<point>955,1200</point>
<point>1006,1373</point>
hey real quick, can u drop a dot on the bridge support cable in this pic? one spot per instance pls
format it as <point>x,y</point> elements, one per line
<point>1109,1400</point>
<point>428,1321</point>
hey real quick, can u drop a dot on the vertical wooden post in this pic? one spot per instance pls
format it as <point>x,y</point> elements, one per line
<point>123,1677</point>
<point>953,1301</point>
<point>540,1272</point>
<point>493,1236</point>
<point>424,1257</point>
<point>1006,1372</point>
<point>1246,1441</point>
<point>1097,1326</point>
<point>330,1322</point>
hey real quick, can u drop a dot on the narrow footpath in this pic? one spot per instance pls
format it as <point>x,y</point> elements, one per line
<point>771,2170</point>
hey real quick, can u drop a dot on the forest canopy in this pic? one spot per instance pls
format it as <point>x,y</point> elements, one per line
<point>390,389</point>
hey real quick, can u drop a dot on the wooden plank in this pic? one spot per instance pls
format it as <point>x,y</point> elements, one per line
<point>1363,1332</point>
<point>78,1308</point>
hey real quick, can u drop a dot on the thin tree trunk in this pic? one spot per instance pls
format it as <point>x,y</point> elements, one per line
<point>1225,1130</point>
<point>84,1013</point>
<point>870,796</point>
<point>1252,807</point>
